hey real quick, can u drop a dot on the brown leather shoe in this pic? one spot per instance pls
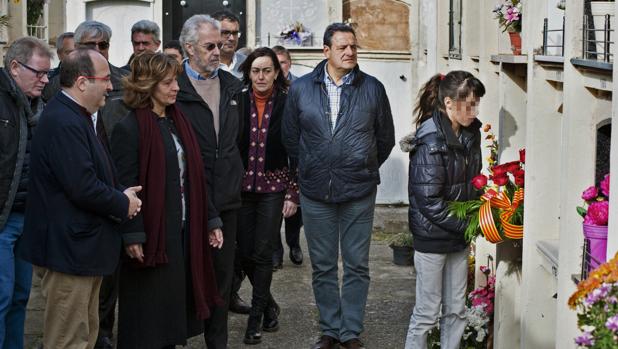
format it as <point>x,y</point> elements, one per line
<point>354,343</point>
<point>326,342</point>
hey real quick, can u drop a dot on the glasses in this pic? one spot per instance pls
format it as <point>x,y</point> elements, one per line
<point>211,46</point>
<point>102,45</point>
<point>102,78</point>
<point>39,73</point>
<point>226,33</point>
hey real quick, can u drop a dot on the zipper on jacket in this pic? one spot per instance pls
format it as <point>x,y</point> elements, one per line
<point>5,122</point>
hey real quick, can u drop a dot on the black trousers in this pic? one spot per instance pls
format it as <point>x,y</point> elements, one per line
<point>215,328</point>
<point>259,221</point>
<point>108,297</point>
<point>292,234</point>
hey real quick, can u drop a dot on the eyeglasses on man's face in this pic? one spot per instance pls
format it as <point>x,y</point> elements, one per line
<point>226,33</point>
<point>102,45</point>
<point>211,46</point>
<point>39,73</point>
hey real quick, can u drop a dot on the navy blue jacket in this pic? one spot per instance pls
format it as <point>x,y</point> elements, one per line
<point>74,202</point>
<point>341,165</point>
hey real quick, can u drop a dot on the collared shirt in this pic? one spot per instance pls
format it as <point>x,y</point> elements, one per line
<point>334,94</point>
<point>234,66</point>
<point>195,75</point>
<point>93,116</point>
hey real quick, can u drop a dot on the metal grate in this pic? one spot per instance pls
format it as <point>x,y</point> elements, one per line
<point>597,42</point>
<point>546,32</point>
<point>38,31</point>
<point>587,259</point>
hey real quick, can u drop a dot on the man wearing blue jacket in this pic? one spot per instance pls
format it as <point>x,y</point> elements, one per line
<point>337,123</point>
<point>74,204</point>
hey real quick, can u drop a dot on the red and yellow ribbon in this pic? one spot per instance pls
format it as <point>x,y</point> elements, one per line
<point>486,219</point>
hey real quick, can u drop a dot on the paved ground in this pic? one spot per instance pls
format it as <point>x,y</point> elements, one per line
<point>391,298</point>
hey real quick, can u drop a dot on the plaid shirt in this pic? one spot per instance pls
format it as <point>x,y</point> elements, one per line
<point>334,94</point>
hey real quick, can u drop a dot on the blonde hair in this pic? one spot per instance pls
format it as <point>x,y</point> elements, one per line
<point>147,70</point>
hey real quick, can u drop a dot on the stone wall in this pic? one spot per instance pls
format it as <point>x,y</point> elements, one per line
<point>380,25</point>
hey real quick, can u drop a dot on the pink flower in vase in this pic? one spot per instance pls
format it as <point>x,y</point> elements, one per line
<point>598,213</point>
<point>590,194</point>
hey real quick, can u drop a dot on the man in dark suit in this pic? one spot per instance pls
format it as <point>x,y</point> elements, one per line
<point>74,205</point>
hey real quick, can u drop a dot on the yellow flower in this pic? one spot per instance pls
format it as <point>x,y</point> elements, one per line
<point>487,127</point>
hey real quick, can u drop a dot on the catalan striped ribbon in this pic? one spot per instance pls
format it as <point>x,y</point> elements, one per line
<point>486,219</point>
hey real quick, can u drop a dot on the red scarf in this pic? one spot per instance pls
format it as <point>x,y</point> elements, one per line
<point>152,179</point>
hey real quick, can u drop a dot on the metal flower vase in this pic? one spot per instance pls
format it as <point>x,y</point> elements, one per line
<point>596,235</point>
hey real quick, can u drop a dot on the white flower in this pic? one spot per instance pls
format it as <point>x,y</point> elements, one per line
<point>480,336</point>
<point>588,328</point>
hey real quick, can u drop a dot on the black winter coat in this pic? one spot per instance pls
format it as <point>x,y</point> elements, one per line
<point>441,170</point>
<point>156,304</point>
<point>18,117</point>
<point>74,200</point>
<point>341,165</point>
<point>224,168</point>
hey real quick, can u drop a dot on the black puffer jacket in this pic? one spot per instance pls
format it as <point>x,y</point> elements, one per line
<point>340,165</point>
<point>441,168</point>
<point>18,117</point>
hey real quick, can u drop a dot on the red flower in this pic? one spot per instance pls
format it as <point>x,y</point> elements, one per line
<point>500,180</point>
<point>479,181</point>
<point>519,180</point>
<point>499,170</point>
<point>522,155</point>
<point>512,166</point>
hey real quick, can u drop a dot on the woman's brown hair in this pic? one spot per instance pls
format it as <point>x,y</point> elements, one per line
<point>457,84</point>
<point>147,70</point>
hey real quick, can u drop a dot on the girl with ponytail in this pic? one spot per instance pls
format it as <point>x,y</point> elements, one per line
<point>445,154</point>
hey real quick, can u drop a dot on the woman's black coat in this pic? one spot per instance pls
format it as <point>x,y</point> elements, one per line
<point>441,169</point>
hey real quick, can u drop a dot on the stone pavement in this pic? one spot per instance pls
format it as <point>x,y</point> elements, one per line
<point>390,302</point>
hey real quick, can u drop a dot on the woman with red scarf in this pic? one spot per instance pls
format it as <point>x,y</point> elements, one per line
<point>167,281</point>
<point>269,187</point>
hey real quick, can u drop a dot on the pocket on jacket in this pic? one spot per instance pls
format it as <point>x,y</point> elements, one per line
<point>81,230</point>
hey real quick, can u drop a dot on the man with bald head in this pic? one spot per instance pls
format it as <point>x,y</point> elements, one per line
<point>75,204</point>
<point>22,79</point>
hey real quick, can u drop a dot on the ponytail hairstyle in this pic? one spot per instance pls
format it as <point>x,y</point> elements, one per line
<point>457,85</point>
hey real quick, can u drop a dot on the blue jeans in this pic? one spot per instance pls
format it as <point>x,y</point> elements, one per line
<point>326,227</point>
<point>15,282</point>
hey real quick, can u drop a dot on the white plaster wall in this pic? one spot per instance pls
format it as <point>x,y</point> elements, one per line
<point>274,15</point>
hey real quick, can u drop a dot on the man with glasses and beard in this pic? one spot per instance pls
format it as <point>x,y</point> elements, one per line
<point>208,97</point>
<point>96,36</point>
<point>22,79</point>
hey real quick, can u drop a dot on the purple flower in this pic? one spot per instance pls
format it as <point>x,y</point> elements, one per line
<point>585,339</point>
<point>590,194</point>
<point>612,323</point>
<point>605,185</point>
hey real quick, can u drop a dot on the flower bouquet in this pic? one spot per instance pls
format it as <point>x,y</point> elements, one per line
<point>596,203</point>
<point>597,300</point>
<point>508,14</point>
<point>499,213</point>
<point>595,212</point>
<point>295,34</point>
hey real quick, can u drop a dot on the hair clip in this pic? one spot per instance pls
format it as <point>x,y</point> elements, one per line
<point>442,76</point>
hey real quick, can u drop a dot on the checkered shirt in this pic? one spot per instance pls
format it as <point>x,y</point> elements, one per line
<point>334,94</point>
